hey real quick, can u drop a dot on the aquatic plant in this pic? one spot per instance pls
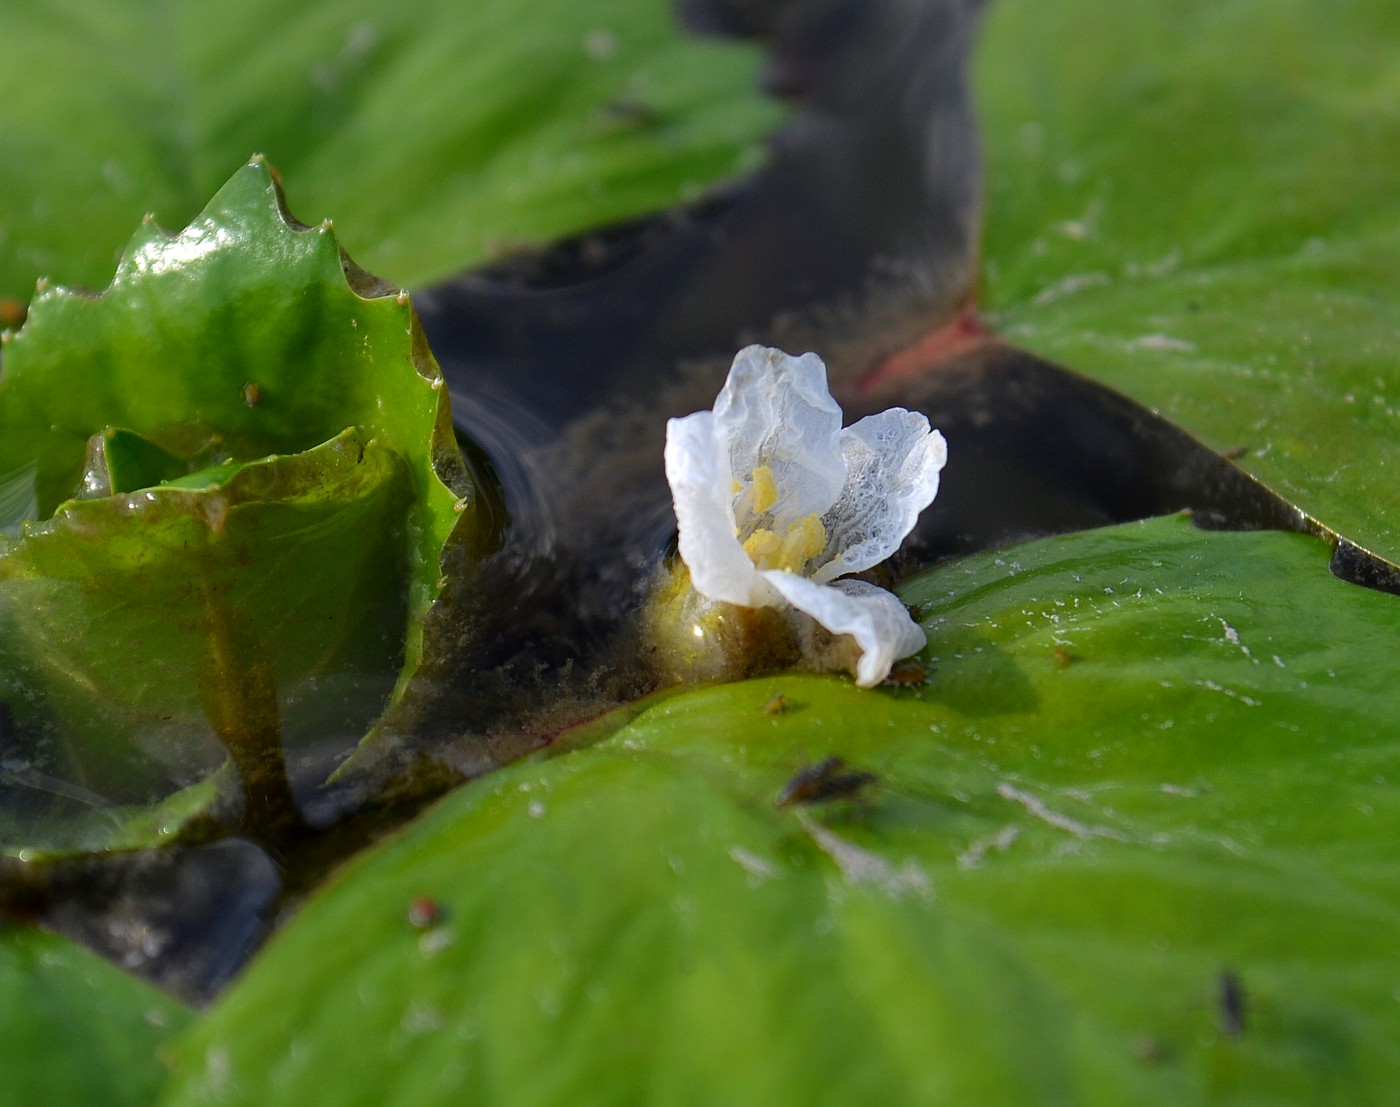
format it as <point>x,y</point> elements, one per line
<point>775,503</point>
<point>1134,837</point>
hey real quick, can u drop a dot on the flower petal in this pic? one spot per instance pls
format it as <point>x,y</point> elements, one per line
<point>893,461</point>
<point>697,467</point>
<point>775,412</point>
<point>876,619</point>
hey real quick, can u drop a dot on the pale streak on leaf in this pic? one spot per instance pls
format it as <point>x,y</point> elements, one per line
<point>1000,841</point>
<point>860,866</point>
<point>759,869</point>
<point>1037,807</point>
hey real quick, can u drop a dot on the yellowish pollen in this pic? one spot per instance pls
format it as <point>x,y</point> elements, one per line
<point>803,541</point>
<point>765,489</point>
<point>763,546</point>
<point>790,551</point>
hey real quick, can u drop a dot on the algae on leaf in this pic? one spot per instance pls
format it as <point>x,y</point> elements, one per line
<point>230,480</point>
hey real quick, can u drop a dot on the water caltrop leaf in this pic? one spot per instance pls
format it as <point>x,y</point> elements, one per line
<point>1212,231</point>
<point>240,474</point>
<point>1131,841</point>
<point>684,948</point>
<point>44,818</point>
<point>438,133</point>
<point>74,1029</point>
<point>186,593</point>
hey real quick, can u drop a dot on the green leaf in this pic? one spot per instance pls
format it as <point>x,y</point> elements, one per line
<point>47,818</point>
<point>1209,228</point>
<point>589,958</point>
<point>181,606</point>
<point>1146,759</point>
<point>18,498</point>
<point>265,540</point>
<point>74,1029</point>
<point>438,133</point>
<point>122,461</point>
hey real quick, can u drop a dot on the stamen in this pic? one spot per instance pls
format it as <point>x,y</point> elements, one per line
<point>765,489</point>
<point>790,551</point>
<point>763,546</point>
<point>803,541</point>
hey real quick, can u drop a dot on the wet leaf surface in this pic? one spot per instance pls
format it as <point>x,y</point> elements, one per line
<point>241,414</point>
<point>1211,231</point>
<point>1143,757</point>
<point>48,818</point>
<point>74,1029</point>
<point>439,134</point>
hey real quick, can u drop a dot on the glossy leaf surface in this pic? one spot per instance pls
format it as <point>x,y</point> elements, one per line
<point>438,133</point>
<point>1146,760</point>
<point>248,561</point>
<point>74,1029</point>
<point>1212,229</point>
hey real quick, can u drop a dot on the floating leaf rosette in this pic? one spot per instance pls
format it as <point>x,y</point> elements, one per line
<point>226,486</point>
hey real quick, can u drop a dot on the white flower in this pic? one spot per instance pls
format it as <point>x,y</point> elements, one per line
<point>775,501</point>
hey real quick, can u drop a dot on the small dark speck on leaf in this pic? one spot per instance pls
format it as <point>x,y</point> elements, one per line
<point>424,913</point>
<point>1151,1050</point>
<point>776,704</point>
<point>908,674</point>
<point>1234,453</point>
<point>12,312</point>
<point>624,112</point>
<point>1232,1004</point>
<point>252,393</point>
<point>1063,657</point>
<point>824,781</point>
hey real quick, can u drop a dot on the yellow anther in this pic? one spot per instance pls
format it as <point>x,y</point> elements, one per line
<point>789,551</point>
<point>803,541</point>
<point>763,546</point>
<point>765,489</point>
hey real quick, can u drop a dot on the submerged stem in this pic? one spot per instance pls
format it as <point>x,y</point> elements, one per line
<point>239,693</point>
